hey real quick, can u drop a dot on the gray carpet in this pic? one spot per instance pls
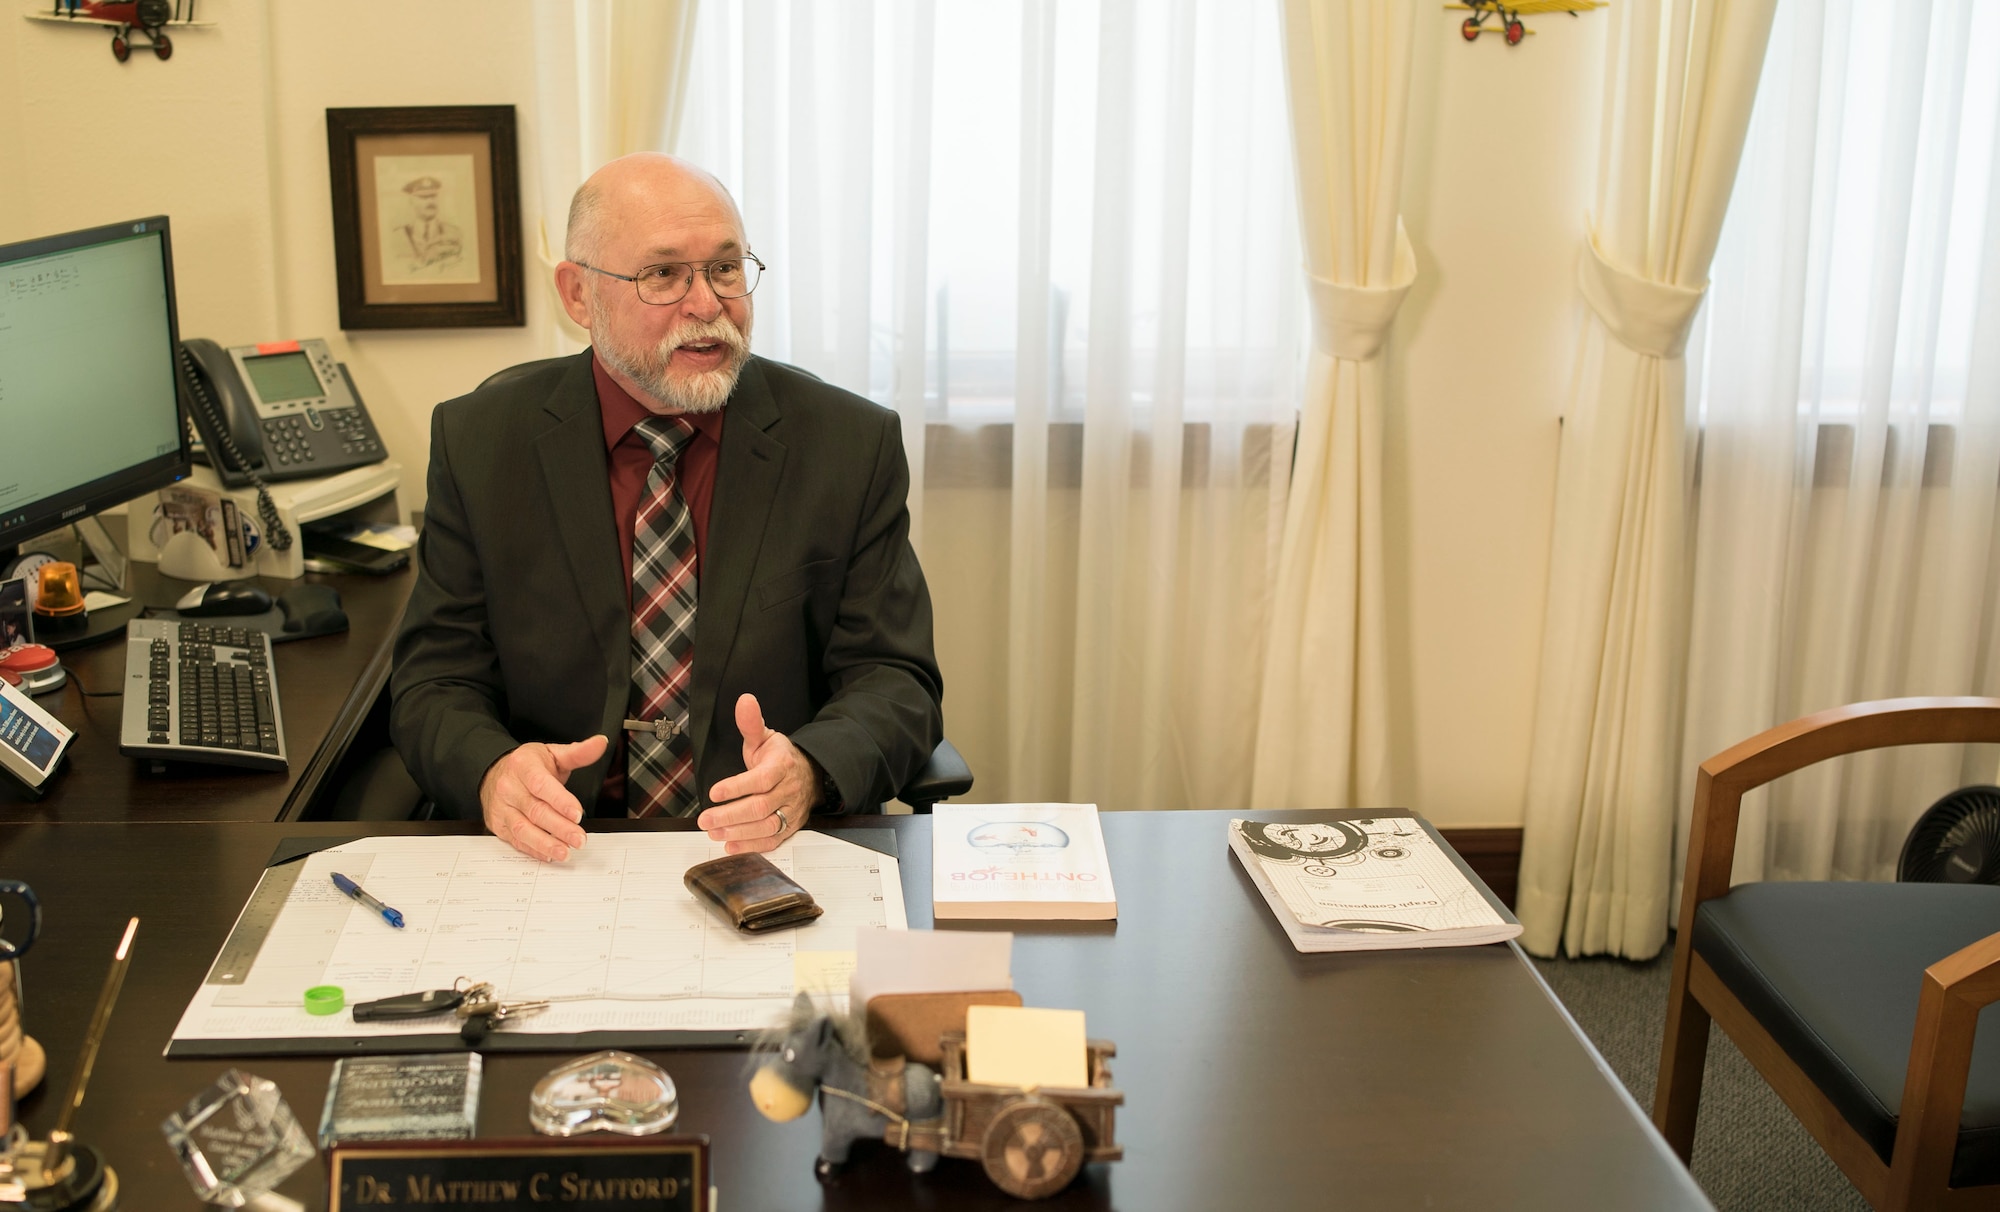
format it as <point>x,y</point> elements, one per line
<point>1750,1154</point>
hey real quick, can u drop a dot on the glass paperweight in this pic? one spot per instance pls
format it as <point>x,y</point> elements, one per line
<point>604,1092</point>
<point>432,1096</point>
<point>237,1139</point>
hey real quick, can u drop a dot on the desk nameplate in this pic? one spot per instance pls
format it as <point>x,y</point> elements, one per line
<point>667,1173</point>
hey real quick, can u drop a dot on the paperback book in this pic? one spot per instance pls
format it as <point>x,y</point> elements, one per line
<point>1368,885</point>
<point>1015,861</point>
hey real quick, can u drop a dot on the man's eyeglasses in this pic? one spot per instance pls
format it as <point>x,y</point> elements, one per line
<point>666,285</point>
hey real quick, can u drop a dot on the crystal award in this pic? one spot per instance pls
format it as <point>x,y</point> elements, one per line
<point>434,1096</point>
<point>237,1139</point>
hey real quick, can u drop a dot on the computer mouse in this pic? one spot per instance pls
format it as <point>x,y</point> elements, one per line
<point>223,597</point>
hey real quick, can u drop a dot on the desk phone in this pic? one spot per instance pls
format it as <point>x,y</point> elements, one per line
<point>280,410</point>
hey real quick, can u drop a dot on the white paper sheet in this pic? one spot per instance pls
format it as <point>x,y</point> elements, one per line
<point>612,935</point>
<point>927,961</point>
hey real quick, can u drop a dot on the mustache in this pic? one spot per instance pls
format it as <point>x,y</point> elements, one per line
<point>701,332</point>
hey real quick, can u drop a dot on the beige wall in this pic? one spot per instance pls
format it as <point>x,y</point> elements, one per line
<point>1501,172</point>
<point>229,139</point>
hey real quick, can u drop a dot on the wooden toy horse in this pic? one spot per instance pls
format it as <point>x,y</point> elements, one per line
<point>858,1100</point>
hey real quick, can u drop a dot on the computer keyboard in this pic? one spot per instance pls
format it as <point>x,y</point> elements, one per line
<point>201,693</point>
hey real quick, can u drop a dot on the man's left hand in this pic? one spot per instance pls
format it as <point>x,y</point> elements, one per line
<point>770,800</point>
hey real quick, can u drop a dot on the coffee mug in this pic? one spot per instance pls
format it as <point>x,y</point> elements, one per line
<point>10,949</point>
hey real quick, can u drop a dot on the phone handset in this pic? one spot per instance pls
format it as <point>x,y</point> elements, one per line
<point>223,411</point>
<point>220,433</point>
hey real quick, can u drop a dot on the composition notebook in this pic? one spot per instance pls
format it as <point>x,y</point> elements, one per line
<point>1369,885</point>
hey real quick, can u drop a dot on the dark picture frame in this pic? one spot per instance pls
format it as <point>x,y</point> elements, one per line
<point>426,216</point>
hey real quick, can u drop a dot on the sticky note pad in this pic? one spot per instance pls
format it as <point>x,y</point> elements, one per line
<point>822,971</point>
<point>1025,1046</point>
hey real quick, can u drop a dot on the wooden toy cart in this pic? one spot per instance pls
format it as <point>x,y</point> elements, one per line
<point>1032,1142</point>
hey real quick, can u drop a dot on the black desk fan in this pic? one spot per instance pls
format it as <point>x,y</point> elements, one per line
<point>1955,841</point>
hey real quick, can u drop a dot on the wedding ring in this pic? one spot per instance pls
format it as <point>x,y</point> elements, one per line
<point>783,824</point>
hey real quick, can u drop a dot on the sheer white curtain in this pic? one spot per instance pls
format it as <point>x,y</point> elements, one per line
<point>1322,734</point>
<point>610,78</point>
<point>1848,389</point>
<point>1597,849</point>
<point>1058,239</point>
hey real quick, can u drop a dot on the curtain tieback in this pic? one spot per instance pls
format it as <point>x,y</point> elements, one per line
<point>1647,317</point>
<point>1352,322</point>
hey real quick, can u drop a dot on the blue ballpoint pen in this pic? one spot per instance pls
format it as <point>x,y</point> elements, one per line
<point>354,890</point>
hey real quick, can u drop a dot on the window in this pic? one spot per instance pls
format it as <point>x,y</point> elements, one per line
<point>974,206</point>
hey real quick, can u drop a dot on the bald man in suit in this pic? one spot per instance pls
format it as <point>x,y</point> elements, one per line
<point>533,688</point>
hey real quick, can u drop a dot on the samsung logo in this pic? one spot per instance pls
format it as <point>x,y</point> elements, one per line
<point>71,512</point>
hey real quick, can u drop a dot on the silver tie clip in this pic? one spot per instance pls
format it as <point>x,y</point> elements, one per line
<point>661,728</point>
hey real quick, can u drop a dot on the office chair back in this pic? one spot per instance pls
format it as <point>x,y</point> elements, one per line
<point>521,371</point>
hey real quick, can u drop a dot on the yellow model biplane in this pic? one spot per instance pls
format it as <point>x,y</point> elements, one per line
<point>1507,15</point>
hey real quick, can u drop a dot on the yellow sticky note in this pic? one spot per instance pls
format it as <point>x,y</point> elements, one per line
<point>1025,1046</point>
<point>822,971</point>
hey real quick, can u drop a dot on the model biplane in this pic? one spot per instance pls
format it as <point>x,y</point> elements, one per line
<point>1507,14</point>
<point>126,18</point>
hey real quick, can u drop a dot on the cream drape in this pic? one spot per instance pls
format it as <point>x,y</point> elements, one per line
<point>1681,76</point>
<point>611,79</point>
<point>1322,716</point>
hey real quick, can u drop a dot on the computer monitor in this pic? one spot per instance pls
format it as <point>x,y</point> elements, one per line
<point>89,408</point>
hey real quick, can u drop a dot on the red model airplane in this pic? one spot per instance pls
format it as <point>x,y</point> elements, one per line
<point>129,17</point>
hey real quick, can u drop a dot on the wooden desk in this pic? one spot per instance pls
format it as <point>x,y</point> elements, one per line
<point>1255,1077</point>
<point>325,686</point>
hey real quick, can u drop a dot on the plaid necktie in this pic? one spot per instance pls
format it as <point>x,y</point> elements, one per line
<point>660,772</point>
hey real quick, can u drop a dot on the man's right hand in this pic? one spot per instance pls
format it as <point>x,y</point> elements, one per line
<point>525,803</point>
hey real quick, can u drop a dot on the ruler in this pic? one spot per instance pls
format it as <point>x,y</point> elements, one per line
<point>253,925</point>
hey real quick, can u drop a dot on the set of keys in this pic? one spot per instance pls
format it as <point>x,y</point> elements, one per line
<point>478,1010</point>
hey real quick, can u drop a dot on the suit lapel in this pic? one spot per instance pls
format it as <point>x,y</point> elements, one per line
<point>751,466</point>
<point>576,476</point>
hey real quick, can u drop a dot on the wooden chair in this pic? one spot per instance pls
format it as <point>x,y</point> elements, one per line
<point>1857,1002</point>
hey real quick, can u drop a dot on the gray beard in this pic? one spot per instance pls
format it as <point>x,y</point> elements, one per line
<point>703,393</point>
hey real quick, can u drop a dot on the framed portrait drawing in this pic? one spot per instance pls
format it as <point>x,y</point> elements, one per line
<point>426,216</point>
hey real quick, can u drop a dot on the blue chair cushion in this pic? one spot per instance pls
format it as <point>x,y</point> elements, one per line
<point>1834,970</point>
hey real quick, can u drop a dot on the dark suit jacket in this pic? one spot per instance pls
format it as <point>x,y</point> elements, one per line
<point>810,595</point>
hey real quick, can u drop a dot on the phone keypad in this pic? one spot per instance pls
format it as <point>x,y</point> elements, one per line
<point>292,441</point>
<point>287,441</point>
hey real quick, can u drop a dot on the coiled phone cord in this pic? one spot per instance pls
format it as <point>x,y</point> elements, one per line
<point>267,509</point>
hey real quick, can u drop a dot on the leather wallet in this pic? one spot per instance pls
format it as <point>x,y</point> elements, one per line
<point>751,892</point>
